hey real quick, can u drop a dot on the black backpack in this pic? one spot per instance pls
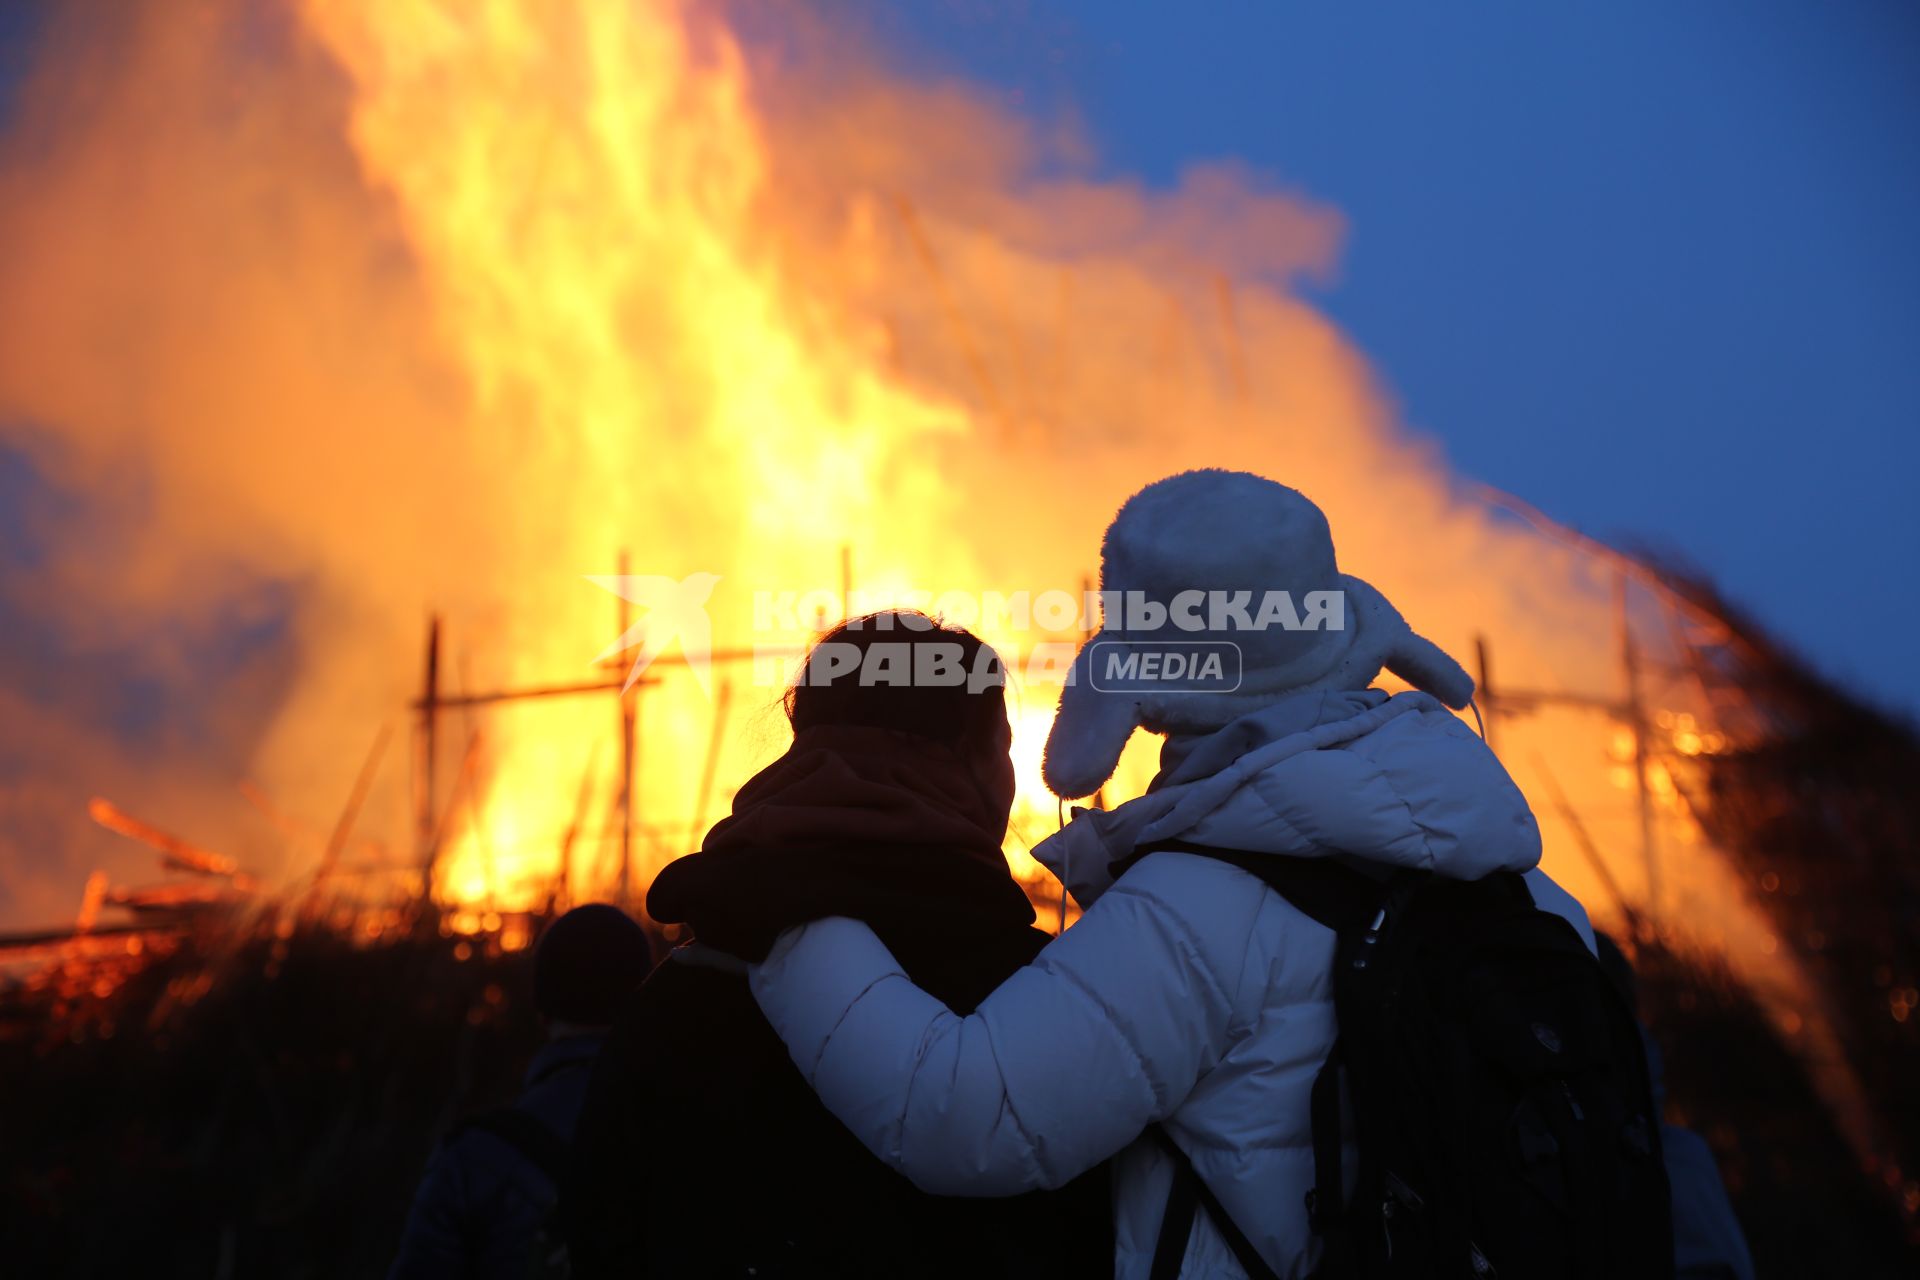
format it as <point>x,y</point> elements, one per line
<point>547,1253</point>
<point>1503,1114</point>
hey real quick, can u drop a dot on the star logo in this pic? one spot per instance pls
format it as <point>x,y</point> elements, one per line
<point>674,610</point>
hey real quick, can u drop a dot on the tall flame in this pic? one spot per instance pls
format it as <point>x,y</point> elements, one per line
<point>588,197</point>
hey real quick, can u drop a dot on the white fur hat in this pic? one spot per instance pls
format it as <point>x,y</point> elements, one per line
<point>1227,535</point>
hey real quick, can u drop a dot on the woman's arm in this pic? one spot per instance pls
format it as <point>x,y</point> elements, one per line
<point>1105,1032</point>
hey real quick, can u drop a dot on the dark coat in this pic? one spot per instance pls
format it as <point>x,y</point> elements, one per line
<point>703,1152</point>
<point>482,1204</point>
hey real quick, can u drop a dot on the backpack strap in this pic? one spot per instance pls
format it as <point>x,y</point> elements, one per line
<point>1344,900</point>
<point>1176,1223</point>
<point>1190,1194</point>
<point>1325,890</point>
<point>1326,1203</point>
<point>528,1135</point>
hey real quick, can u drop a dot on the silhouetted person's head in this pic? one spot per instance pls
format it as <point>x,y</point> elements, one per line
<point>586,963</point>
<point>902,670</point>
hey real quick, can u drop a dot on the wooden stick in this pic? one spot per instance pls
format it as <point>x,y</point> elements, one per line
<point>619,661</point>
<point>288,825</point>
<point>177,854</point>
<point>428,707</point>
<point>90,899</point>
<point>17,944</point>
<point>468,764</point>
<point>1637,724</point>
<point>167,897</point>
<point>462,700</point>
<point>1585,843</point>
<point>629,725</point>
<point>343,827</point>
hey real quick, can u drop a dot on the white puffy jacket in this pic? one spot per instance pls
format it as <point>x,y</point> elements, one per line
<point>1187,994</point>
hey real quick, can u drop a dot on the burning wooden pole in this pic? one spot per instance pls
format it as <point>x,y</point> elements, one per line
<point>429,727</point>
<point>462,782</point>
<point>1489,702</point>
<point>175,854</point>
<point>1583,840</point>
<point>90,900</point>
<point>170,899</point>
<point>629,751</point>
<point>1636,718</point>
<point>452,702</point>
<point>19,945</point>
<point>343,828</point>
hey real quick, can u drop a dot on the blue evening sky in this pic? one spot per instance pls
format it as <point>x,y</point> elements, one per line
<point>1653,265</point>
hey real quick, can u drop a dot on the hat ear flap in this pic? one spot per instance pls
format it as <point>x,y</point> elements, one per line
<point>1425,665</point>
<point>1089,733</point>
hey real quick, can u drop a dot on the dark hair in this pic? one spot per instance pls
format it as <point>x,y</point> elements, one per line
<point>587,961</point>
<point>900,669</point>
